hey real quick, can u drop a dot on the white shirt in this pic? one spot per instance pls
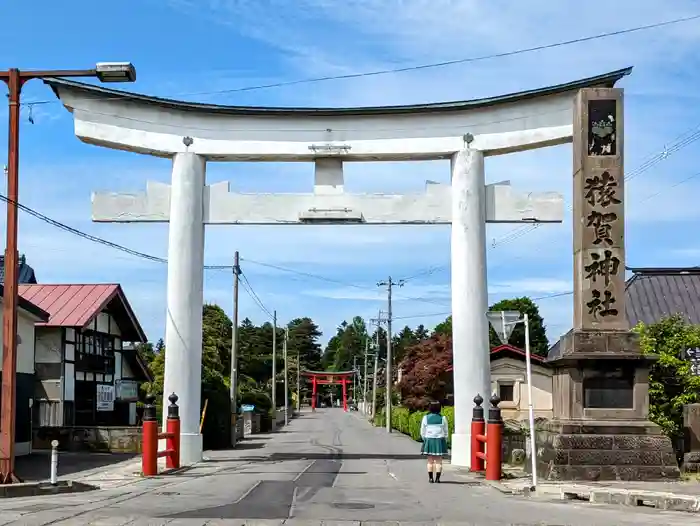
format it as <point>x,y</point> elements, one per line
<point>433,430</point>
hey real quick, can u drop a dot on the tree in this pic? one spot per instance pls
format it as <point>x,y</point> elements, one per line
<point>672,381</point>
<point>444,328</point>
<point>216,341</point>
<point>348,344</point>
<point>303,341</point>
<point>421,333</point>
<point>539,344</point>
<point>146,351</point>
<point>427,375</point>
<point>401,342</point>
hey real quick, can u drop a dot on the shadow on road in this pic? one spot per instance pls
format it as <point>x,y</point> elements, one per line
<point>37,466</point>
<point>342,456</point>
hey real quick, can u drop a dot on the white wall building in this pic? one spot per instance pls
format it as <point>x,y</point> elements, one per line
<point>28,315</point>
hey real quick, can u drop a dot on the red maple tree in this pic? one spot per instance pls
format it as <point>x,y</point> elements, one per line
<point>426,372</point>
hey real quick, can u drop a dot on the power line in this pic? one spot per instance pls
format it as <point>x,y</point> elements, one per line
<point>251,292</point>
<point>432,65</point>
<point>679,142</point>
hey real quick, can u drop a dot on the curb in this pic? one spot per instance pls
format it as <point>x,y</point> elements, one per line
<point>664,501</point>
<point>34,489</point>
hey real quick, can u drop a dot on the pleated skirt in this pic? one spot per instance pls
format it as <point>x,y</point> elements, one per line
<point>436,447</point>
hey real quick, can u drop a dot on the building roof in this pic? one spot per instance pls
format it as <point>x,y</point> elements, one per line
<point>77,305</point>
<point>604,80</point>
<point>506,350</point>
<point>28,306</point>
<point>514,352</point>
<point>26,273</point>
<point>654,293</point>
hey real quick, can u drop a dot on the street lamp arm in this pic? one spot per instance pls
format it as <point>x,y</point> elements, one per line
<point>42,74</point>
<point>15,79</point>
<point>103,71</point>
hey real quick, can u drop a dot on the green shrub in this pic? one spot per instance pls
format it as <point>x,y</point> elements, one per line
<point>408,422</point>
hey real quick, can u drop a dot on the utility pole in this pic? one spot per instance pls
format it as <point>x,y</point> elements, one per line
<point>354,379</point>
<point>274,367</point>
<point>364,379</point>
<point>234,349</point>
<point>299,381</point>
<point>378,322</point>
<point>389,284</point>
<point>374,375</point>
<point>286,387</point>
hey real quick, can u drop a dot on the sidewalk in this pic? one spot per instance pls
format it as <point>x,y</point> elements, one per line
<point>668,496</point>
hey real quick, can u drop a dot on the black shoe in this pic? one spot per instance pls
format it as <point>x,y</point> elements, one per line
<point>437,477</point>
<point>430,477</point>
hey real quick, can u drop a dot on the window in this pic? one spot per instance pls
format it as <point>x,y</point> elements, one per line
<point>97,353</point>
<point>506,392</point>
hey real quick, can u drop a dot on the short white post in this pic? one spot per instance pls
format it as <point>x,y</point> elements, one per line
<point>531,410</point>
<point>54,462</point>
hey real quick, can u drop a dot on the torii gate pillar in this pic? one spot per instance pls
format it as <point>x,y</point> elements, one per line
<point>185,298</point>
<point>471,370</point>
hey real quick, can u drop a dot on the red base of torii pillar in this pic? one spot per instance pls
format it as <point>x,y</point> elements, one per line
<point>329,378</point>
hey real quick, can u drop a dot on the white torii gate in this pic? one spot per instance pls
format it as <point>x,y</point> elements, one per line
<point>194,134</point>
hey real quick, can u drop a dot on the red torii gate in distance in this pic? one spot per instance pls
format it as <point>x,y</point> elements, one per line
<point>329,378</point>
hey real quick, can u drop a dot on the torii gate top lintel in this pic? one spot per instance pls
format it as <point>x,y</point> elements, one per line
<point>165,127</point>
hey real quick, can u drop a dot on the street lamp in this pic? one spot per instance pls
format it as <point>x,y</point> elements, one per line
<point>15,79</point>
<point>503,322</point>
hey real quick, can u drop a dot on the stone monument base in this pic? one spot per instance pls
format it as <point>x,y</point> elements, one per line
<point>604,450</point>
<point>691,462</point>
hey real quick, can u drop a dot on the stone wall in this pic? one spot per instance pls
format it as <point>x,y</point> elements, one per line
<point>103,439</point>
<point>594,452</point>
<point>514,441</point>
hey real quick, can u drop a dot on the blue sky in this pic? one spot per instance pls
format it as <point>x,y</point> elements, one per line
<point>198,50</point>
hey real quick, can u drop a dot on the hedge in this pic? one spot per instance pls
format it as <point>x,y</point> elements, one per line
<point>408,422</point>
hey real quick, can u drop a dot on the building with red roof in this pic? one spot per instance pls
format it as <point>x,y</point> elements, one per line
<point>87,369</point>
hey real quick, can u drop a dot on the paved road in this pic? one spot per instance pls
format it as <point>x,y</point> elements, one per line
<point>329,466</point>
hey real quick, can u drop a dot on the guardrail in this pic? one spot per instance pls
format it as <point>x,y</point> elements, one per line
<point>487,439</point>
<point>151,436</point>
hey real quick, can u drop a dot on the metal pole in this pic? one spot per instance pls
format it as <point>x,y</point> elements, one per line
<point>234,349</point>
<point>274,366</point>
<point>364,387</point>
<point>376,368</point>
<point>531,410</point>
<point>299,381</point>
<point>286,387</point>
<point>9,340</point>
<point>15,79</point>
<point>389,377</point>
<point>354,379</point>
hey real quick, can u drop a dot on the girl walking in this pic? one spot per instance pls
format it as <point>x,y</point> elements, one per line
<point>433,431</point>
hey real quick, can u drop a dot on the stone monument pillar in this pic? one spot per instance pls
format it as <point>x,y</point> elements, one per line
<point>691,438</point>
<point>600,429</point>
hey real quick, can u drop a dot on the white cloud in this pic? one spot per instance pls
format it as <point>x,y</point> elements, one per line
<point>311,38</point>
